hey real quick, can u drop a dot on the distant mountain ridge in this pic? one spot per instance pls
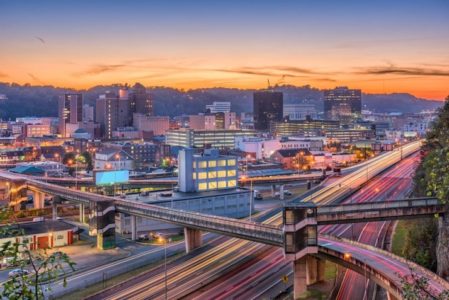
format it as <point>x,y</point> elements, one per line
<point>27,100</point>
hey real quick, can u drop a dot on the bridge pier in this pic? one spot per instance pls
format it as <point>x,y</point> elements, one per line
<point>133,228</point>
<point>193,239</point>
<point>300,278</point>
<point>273,190</point>
<point>38,199</point>
<point>102,223</point>
<point>281,192</point>
<point>82,213</point>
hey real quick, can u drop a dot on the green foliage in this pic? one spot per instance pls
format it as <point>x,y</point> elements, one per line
<point>420,243</point>
<point>38,267</point>
<point>415,287</point>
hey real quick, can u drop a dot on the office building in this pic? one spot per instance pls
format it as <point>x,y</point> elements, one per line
<point>343,104</point>
<point>296,112</point>
<point>113,159</point>
<point>267,108</point>
<point>37,130</point>
<point>140,101</point>
<point>208,171</point>
<point>151,124</point>
<point>221,139</point>
<point>349,135</point>
<point>219,107</point>
<point>196,122</point>
<point>107,113</point>
<point>306,127</point>
<point>70,111</point>
<point>88,113</point>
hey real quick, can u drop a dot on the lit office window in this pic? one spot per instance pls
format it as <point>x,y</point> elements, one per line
<point>194,176</point>
<point>221,174</point>
<point>202,175</point>
<point>212,163</point>
<point>222,163</point>
<point>194,164</point>
<point>212,174</point>
<point>232,183</point>
<point>221,184</point>
<point>231,173</point>
<point>231,162</point>
<point>202,164</point>
<point>212,185</point>
<point>202,186</point>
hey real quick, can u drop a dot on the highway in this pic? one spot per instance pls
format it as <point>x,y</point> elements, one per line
<point>199,278</point>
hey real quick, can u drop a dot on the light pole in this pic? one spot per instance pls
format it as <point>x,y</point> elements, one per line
<point>165,263</point>
<point>251,193</point>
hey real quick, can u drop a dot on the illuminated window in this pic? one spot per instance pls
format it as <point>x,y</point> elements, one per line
<point>231,162</point>
<point>194,175</point>
<point>231,173</point>
<point>202,186</point>
<point>222,163</point>
<point>194,164</point>
<point>221,174</point>
<point>221,184</point>
<point>212,185</point>
<point>232,183</point>
<point>212,163</point>
<point>202,164</point>
<point>202,175</point>
<point>212,174</point>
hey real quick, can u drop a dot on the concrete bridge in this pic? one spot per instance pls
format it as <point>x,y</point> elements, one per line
<point>302,245</point>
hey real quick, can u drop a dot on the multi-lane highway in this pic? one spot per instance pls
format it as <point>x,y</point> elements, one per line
<point>185,284</point>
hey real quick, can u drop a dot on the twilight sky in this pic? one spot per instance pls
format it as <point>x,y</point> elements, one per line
<point>378,46</point>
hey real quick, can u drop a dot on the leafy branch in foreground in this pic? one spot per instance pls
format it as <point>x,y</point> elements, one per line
<point>35,268</point>
<point>416,287</point>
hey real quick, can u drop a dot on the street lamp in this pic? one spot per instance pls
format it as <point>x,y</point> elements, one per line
<point>347,256</point>
<point>165,241</point>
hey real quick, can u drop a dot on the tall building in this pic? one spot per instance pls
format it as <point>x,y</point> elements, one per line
<point>106,113</point>
<point>267,107</point>
<point>140,100</point>
<point>342,103</point>
<point>219,107</point>
<point>70,111</point>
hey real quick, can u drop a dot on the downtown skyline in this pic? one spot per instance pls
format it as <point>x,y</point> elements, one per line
<point>378,47</point>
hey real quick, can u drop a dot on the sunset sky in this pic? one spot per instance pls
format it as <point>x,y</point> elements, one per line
<point>378,46</point>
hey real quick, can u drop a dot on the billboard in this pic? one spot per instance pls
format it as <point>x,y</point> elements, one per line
<point>111,177</point>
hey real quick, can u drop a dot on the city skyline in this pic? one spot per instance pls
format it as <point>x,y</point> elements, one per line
<point>378,47</point>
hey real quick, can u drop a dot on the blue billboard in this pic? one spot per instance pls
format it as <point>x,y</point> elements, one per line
<point>111,177</point>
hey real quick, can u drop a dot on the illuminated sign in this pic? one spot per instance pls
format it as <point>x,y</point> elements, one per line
<point>111,177</point>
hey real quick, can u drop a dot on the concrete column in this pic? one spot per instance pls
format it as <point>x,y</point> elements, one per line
<point>321,270</point>
<point>311,270</point>
<point>299,278</point>
<point>281,192</point>
<point>102,223</point>
<point>192,238</point>
<point>82,213</point>
<point>38,200</point>
<point>133,228</point>
<point>273,190</point>
<point>54,210</point>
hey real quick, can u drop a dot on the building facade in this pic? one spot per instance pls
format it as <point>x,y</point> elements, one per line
<point>267,108</point>
<point>219,106</point>
<point>70,111</point>
<point>296,112</point>
<point>342,103</point>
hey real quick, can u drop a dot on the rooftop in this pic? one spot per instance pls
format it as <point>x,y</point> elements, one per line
<point>31,228</point>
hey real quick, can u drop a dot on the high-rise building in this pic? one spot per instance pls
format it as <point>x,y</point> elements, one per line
<point>219,107</point>
<point>106,113</point>
<point>267,108</point>
<point>70,111</point>
<point>342,103</point>
<point>140,100</point>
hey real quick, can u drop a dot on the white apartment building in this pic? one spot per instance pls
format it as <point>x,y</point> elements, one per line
<point>297,112</point>
<point>219,106</point>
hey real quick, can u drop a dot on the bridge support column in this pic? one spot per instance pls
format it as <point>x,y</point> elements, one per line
<point>82,213</point>
<point>54,211</point>
<point>321,269</point>
<point>38,200</point>
<point>133,228</point>
<point>300,278</point>
<point>315,270</point>
<point>273,190</point>
<point>281,192</point>
<point>102,223</point>
<point>192,238</point>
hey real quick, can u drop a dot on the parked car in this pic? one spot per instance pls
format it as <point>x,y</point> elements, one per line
<point>287,193</point>
<point>17,273</point>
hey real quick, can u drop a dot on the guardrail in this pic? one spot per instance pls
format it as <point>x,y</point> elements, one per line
<point>372,206</point>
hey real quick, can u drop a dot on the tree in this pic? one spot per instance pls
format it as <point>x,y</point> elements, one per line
<point>88,160</point>
<point>415,287</point>
<point>37,267</point>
